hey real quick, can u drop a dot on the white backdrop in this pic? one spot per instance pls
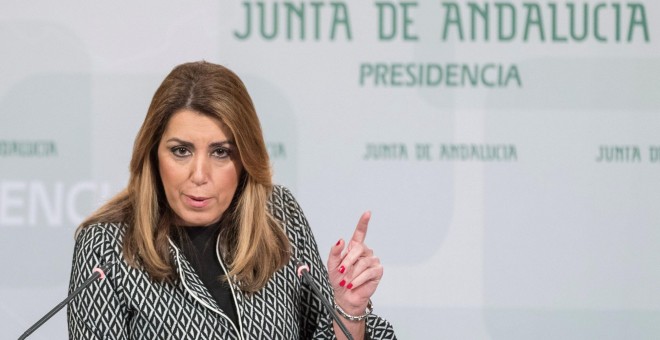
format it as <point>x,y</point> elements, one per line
<point>473,133</point>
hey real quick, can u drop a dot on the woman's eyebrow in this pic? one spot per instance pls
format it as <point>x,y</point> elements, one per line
<point>186,143</point>
<point>179,141</point>
<point>223,143</point>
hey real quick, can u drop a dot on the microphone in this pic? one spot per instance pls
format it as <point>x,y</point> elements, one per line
<point>303,272</point>
<point>98,272</point>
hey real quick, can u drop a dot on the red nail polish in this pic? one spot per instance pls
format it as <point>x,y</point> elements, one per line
<point>338,242</point>
<point>342,269</point>
<point>342,283</point>
<point>350,285</point>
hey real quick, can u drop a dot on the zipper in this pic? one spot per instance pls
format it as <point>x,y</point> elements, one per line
<point>194,295</point>
<point>231,287</point>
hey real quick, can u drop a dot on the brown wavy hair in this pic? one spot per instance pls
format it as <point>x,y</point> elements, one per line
<point>254,243</point>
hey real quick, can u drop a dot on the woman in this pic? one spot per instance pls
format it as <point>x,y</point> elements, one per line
<point>203,244</point>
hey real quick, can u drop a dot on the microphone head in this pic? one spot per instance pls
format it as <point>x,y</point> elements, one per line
<point>106,265</point>
<point>302,267</point>
<point>102,269</point>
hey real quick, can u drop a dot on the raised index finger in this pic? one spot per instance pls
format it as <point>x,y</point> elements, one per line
<point>360,232</point>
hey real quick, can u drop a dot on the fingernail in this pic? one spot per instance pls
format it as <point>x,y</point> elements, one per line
<point>338,242</point>
<point>350,285</point>
<point>342,283</point>
<point>342,269</point>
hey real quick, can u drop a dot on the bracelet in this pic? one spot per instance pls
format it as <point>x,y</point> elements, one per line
<point>367,312</point>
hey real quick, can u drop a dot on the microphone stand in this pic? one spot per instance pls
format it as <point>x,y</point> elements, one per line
<point>303,270</point>
<point>98,272</point>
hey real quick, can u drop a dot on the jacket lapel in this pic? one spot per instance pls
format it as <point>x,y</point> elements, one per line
<point>191,282</point>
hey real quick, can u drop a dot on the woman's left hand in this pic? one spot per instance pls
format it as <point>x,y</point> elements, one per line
<point>356,272</point>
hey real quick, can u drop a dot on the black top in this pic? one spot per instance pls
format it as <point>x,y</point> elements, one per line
<point>201,252</point>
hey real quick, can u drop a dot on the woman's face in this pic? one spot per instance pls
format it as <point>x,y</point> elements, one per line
<point>199,166</point>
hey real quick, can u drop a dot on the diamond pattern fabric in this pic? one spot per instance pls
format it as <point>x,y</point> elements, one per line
<point>129,305</point>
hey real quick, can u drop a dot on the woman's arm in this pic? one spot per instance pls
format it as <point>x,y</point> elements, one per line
<point>97,312</point>
<point>316,322</point>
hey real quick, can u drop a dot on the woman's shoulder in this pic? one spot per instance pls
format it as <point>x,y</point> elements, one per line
<point>281,198</point>
<point>286,209</point>
<point>105,232</point>
<point>98,243</point>
<point>281,192</point>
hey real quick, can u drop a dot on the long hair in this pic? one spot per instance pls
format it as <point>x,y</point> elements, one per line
<point>254,244</point>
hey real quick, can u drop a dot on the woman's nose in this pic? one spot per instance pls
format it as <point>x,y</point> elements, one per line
<point>200,170</point>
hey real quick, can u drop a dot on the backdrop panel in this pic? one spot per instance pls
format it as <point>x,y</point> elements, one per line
<point>508,150</point>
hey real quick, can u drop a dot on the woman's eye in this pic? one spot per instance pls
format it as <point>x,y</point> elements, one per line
<point>180,151</point>
<point>220,153</point>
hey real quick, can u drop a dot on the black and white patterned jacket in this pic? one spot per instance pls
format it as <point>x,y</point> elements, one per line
<point>129,305</point>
